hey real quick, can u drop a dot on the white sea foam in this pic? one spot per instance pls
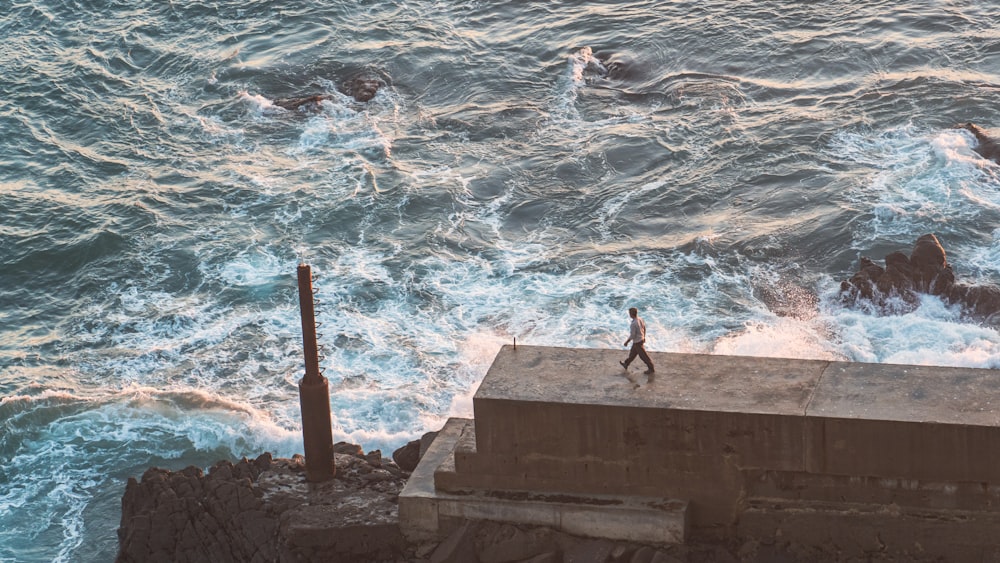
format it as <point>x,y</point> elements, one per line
<point>215,127</point>
<point>580,65</point>
<point>933,334</point>
<point>253,267</point>
<point>920,182</point>
<point>352,131</point>
<point>59,465</point>
<point>258,102</point>
<point>982,263</point>
<point>781,338</point>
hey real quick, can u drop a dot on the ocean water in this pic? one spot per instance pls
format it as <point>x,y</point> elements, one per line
<point>530,171</point>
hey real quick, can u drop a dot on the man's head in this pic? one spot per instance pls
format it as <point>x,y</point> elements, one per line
<point>633,312</point>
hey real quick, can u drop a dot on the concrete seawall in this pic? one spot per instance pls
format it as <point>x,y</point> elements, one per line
<point>871,457</point>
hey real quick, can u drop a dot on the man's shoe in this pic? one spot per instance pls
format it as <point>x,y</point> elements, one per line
<point>622,362</point>
<point>649,371</point>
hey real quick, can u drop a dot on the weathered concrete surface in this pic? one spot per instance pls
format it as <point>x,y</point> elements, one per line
<point>742,439</point>
<point>418,502</point>
<point>911,422</point>
<point>431,512</point>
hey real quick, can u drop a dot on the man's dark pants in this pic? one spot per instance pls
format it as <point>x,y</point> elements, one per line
<point>639,349</point>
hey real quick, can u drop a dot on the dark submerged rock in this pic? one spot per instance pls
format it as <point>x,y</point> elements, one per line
<point>362,86</point>
<point>307,102</point>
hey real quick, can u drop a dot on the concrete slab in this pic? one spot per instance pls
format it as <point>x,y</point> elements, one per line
<point>776,386</point>
<point>640,520</point>
<point>904,393</point>
<point>682,381</point>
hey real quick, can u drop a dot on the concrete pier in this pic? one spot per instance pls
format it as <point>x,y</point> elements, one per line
<point>873,457</point>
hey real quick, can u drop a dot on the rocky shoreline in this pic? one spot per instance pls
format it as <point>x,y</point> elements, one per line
<point>264,510</point>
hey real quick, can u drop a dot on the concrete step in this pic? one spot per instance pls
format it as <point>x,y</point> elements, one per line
<point>427,512</point>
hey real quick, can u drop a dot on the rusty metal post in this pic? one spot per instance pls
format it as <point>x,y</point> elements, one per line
<point>314,392</point>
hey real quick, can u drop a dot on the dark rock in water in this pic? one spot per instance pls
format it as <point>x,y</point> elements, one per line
<point>361,86</point>
<point>898,274</point>
<point>928,261</point>
<point>986,146</point>
<point>293,104</point>
<point>618,65</point>
<point>862,284</point>
<point>897,287</point>
<point>983,301</point>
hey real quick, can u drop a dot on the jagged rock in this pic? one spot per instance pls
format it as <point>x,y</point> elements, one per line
<point>374,458</point>
<point>927,261</point>
<point>897,287</point>
<point>986,146</point>
<point>620,554</point>
<point>407,456</point>
<point>362,86</point>
<point>722,555</point>
<point>349,449</point>
<point>263,510</point>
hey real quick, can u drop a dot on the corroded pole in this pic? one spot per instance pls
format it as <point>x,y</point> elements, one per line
<point>314,391</point>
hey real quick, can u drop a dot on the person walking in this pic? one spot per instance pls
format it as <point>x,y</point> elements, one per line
<point>637,336</point>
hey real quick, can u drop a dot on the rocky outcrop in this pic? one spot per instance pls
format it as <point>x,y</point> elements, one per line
<point>362,86</point>
<point>265,510</point>
<point>896,288</point>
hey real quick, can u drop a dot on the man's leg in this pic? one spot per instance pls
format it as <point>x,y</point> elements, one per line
<point>632,353</point>
<point>645,357</point>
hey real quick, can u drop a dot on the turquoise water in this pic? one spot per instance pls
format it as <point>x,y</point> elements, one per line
<point>724,177</point>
